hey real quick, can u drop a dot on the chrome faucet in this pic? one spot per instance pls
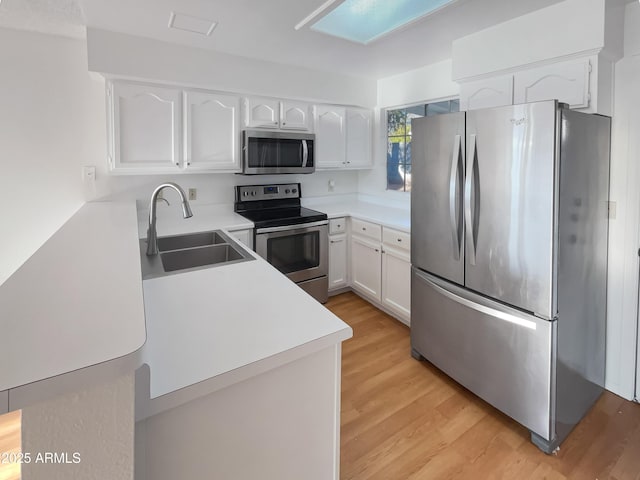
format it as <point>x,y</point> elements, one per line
<point>152,234</point>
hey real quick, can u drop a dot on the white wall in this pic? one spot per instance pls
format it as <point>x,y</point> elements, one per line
<point>624,238</point>
<point>125,55</point>
<point>563,29</point>
<point>426,84</point>
<point>47,131</point>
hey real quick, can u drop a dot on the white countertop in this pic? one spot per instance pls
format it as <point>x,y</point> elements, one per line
<point>77,301</point>
<point>388,216</point>
<point>210,322</point>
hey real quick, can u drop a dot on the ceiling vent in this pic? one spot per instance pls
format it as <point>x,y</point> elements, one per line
<point>180,21</point>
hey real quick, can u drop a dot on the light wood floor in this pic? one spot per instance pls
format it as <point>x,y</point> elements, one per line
<point>10,445</point>
<point>404,419</point>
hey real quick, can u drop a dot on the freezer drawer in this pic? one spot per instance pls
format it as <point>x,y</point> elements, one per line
<point>502,355</point>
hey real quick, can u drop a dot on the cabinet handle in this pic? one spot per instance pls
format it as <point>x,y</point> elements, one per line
<point>377,250</point>
<point>284,123</point>
<point>399,239</point>
<point>364,229</point>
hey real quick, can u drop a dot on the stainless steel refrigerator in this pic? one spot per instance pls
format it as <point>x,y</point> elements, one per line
<point>509,220</point>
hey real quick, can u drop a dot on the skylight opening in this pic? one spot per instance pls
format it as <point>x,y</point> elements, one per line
<point>364,21</point>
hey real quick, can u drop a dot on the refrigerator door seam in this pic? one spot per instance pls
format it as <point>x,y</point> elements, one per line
<point>467,200</point>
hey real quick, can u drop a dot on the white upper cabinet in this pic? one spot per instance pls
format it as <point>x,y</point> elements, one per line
<point>261,112</point>
<point>567,82</point>
<point>358,138</point>
<point>144,128</point>
<point>487,93</point>
<point>330,136</point>
<point>296,115</point>
<point>277,114</point>
<point>154,129</point>
<point>211,131</point>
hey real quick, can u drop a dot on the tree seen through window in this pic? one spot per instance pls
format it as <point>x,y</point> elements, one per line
<point>399,140</point>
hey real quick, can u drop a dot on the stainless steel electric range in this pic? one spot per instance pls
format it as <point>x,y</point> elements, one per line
<point>292,238</point>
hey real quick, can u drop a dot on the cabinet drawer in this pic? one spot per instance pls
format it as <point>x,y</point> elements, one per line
<point>337,225</point>
<point>366,229</point>
<point>396,239</point>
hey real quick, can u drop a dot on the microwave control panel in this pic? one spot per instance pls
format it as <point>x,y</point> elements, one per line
<point>267,192</point>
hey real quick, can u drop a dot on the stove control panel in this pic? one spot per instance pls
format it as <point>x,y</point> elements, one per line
<point>247,193</point>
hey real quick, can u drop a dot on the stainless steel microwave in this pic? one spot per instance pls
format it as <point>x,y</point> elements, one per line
<point>267,153</point>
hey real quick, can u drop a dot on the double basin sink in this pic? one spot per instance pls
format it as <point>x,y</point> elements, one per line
<point>192,251</point>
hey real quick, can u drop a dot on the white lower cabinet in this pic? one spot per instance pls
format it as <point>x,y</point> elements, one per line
<point>244,236</point>
<point>381,267</point>
<point>396,282</point>
<point>337,261</point>
<point>366,273</point>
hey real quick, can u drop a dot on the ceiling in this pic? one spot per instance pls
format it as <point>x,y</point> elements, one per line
<point>264,29</point>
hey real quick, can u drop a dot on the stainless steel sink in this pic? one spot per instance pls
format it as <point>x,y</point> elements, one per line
<point>198,257</point>
<point>200,239</point>
<point>192,251</point>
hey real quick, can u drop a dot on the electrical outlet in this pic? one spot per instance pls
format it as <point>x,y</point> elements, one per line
<point>193,194</point>
<point>89,173</point>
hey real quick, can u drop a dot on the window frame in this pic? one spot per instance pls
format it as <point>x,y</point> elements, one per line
<point>406,136</point>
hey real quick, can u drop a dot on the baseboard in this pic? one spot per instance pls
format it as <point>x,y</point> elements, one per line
<point>379,306</point>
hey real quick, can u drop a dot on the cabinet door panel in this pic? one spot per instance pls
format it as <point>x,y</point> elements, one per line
<point>330,137</point>
<point>337,261</point>
<point>492,92</point>
<point>396,282</point>
<point>261,112</point>
<point>358,138</point>
<point>296,116</point>
<point>146,128</point>
<point>567,82</point>
<point>211,127</point>
<point>366,267</point>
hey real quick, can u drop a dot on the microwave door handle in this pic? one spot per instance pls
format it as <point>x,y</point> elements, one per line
<point>305,153</point>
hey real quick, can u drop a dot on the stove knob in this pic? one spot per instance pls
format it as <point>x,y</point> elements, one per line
<point>287,191</point>
<point>245,193</point>
<point>253,193</point>
<point>295,190</point>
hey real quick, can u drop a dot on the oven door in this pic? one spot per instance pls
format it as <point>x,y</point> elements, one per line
<point>298,251</point>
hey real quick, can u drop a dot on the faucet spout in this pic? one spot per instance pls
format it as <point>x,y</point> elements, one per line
<point>152,234</point>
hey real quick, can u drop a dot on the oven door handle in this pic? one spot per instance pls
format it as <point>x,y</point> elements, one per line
<point>292,228</point>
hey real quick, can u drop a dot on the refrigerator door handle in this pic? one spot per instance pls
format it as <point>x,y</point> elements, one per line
<point>479,307</point>
<point>468,214</point>
<point>453,196</point>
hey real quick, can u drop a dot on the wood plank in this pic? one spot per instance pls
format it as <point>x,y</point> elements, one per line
<point>404,419</point>
<point>10,445</point>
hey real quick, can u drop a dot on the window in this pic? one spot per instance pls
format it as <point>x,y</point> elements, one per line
<point>399,140</point>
